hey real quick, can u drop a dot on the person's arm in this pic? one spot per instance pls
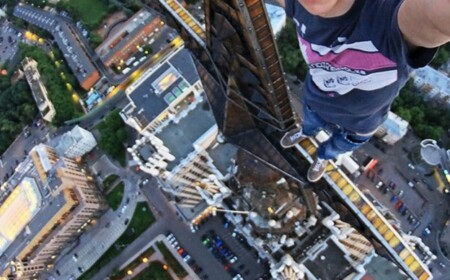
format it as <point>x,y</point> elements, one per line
<point>425,23</point>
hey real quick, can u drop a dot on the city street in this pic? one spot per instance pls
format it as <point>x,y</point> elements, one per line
<point>108,228</point>
<point>168,220</point>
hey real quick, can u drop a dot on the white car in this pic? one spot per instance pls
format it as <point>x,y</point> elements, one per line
<point>186,258</point>
<point>194,228</point>
<point>233,259</point>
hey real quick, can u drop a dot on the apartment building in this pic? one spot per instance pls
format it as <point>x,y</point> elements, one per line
<point>38,89</point>
<point>76,143</point>
<point>72,202</point>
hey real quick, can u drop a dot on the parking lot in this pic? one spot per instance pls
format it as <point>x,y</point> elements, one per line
<point>222,246</point>
<point>8,42</point>
<point>231,250</point>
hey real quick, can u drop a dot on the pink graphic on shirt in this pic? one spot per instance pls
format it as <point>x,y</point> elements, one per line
<point>363,58</point>
<point>345,67</point>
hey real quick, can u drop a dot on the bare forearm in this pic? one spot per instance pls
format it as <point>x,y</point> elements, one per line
<point>425,23</point>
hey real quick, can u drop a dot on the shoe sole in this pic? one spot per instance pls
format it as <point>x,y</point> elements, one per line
<point>292,145</point>
<point>313,181</point>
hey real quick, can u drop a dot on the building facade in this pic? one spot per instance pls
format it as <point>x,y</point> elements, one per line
<point>76,143</point>
<point>72,203</point>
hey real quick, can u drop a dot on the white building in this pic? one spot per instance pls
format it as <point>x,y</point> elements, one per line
<point>277,17</point>
<point>392,129</point>
<point>76,143</point>
<point>435,84</point>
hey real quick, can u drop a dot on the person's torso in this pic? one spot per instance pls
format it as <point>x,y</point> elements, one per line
<point>356,66</point>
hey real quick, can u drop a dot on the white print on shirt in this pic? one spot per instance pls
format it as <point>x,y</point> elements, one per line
<point>345,67</point>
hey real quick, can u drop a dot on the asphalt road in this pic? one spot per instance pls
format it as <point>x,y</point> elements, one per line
<point>169,221</point>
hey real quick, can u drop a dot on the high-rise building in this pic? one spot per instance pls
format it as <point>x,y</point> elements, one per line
<point>76,143</point>
<point>70,203</point>
<point>298,231</point>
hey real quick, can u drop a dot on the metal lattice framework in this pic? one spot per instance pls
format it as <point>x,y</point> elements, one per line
<point>243,49</point>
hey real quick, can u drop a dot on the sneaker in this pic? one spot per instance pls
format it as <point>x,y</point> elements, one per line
<point>316,170</point>
<point>292,137</point>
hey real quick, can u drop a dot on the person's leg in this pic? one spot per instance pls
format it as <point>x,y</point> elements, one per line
<point>311,124</point>
<point>340,142</point>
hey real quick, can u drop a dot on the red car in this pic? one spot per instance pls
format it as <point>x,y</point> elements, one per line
<point>399,204</point>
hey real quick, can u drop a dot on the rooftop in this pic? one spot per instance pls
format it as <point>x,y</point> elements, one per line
<point>17,210</point>
<point>431,76</point>
<point>222,155</point>
<point>125,33</point>
<point>65,36</point>
<point>329,263</point>
<point>46,212</point>
<point>70,138</point>
<point>37,88</point>
<point>380,269</point>
<point>162,86</point>
<point>179,137</point>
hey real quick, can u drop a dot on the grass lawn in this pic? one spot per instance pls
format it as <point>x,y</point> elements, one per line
<point>91,12</point>
<point>171,260</point>
<point>107,183</point>
<point>154,271</point>
<point>115,197</point>
<point>118,275</point>
<point>141,220</point>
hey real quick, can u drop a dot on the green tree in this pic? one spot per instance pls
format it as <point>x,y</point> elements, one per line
<point>289,51</point>
<point>113,135</point>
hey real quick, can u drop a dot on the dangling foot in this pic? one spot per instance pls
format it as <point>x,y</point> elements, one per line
<point>292,137</point>
<point>316,170</point>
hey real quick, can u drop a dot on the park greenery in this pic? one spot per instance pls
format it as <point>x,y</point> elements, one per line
<point>171,260</point>
<point>288,48</point>
<point>90,12</point>
<point>17,109</point>
<point>442,56</point>
<point>427,119</point>
<point>112,136</point>
<point>144,257</point>
<point>115,197</point>
<point>154,271</point>
<point>142,219</point>
<point>56,83</point>
<point>109,181</point>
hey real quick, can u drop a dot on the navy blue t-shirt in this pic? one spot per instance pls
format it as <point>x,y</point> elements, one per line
<point>357,62</point>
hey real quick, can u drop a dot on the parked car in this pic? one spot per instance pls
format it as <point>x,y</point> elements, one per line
<point>394,198</point>
<point>392,185</point>
<point>379,184</point>
<point>398,205</point>
<point>426,231</point>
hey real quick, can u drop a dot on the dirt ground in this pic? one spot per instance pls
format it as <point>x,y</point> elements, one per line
<point>109,22</point>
